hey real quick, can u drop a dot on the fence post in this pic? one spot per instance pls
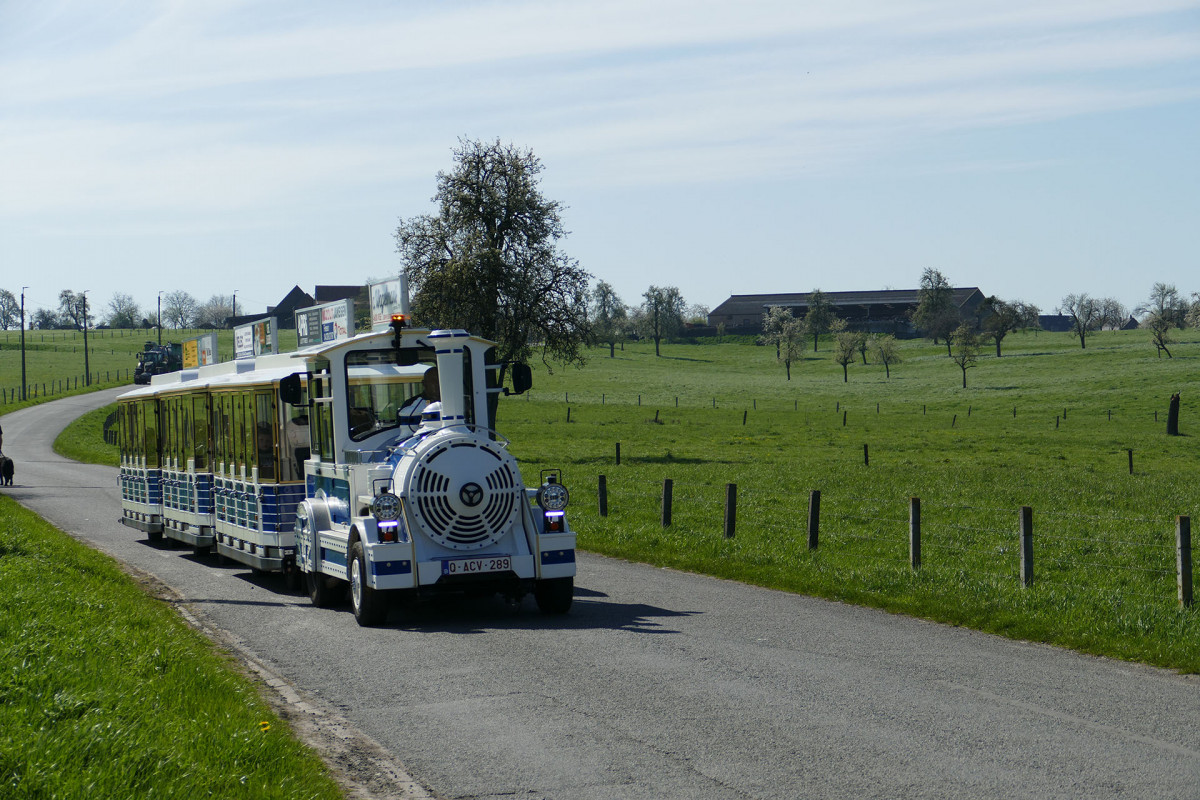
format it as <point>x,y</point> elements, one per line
<point>603,496</point>
<point>866,456</point>
<point>914,532</point>
<point>1130,451</point>
<point>1183,559</point>
<point>618,454</point>
<point>668,485</point>
<point>814,517</point>
<point>730,510</point>
<point>1026,546</point>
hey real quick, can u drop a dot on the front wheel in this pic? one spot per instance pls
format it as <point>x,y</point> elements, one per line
<point>554,595</point>
<point>369,606</point>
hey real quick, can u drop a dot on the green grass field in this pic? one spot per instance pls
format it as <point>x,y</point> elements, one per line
<point>1049,425</point>
<point>104,692</point>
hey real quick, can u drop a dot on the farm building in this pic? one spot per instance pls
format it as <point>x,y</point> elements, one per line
<point>886,311</point>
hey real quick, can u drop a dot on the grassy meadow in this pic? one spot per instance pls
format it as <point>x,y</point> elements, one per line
<point>105,692</point>
<point>1048,425</point>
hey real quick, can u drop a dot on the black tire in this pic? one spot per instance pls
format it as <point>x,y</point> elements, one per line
<point>368,604</point>
<point>318,590</point>
<point>554,595</point>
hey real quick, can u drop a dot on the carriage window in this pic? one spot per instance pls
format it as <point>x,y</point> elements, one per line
<point>321,419</point>
<point>150,443</point>
<point>200,431</point>
<point>264,427</point>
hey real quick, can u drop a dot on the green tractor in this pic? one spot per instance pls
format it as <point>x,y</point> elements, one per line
<point>157,359</point>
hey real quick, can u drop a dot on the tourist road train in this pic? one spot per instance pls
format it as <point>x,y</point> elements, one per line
<point>369,463</point>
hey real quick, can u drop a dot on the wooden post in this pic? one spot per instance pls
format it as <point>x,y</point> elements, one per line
<point>656,415</point>
<point>814,517</point>
<point>744,415</point>
<point>1056,420</point>
<point>668,486</point>
<point>603,496</point>
<point>730,510</point>
<point>1130,451</point>
<point>1173,416</point>
<point>1026,546</point>
<point>1183,559</point>
<point>866,456</point>
<point>844,413</point>
<point>914,532</point>
<point>953,420</point>
<point>568,413</point>
<point>618,454</point>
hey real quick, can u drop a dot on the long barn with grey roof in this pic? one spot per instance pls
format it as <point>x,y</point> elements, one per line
<point>885,311</point>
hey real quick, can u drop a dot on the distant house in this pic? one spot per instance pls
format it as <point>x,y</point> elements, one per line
<point>285,310</point>
<point>885,311</point>
<point>1130,324</point>
<point>1056,323</point>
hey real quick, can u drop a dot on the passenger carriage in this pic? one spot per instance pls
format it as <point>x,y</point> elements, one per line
<point>369,463</point>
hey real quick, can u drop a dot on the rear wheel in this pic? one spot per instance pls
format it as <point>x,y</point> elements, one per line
<point>318,590</point>
<point>554,595</point>
<point>369,606</point>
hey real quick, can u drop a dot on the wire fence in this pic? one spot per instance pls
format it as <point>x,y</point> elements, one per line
<point>1129,557</point>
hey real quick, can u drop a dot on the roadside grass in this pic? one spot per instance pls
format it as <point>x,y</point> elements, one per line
<point>1049,425</point>
<point>104,692</point>
<point>83,440</point>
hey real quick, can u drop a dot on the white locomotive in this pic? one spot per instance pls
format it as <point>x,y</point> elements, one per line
<point>370,463</point>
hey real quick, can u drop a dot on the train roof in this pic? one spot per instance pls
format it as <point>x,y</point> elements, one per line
<point>276,366</point>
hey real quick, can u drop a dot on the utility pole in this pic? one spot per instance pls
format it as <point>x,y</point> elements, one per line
<point>23,288</point>
<point>87,370</point>
<point>233,316</point>
<point>160,318</point>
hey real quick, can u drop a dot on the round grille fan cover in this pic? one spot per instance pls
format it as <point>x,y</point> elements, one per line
<point>464,492</point>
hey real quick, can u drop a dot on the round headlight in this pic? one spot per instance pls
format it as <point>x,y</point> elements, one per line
<point>386,507</point>
<point>553,497</point>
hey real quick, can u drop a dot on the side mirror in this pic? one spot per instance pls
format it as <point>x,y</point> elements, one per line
<point>290,390</point>
<point>522,377</point>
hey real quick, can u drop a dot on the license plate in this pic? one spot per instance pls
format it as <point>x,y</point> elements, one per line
<point>473,566</point>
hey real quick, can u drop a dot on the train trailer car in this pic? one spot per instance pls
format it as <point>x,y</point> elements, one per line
<point>369,464</point>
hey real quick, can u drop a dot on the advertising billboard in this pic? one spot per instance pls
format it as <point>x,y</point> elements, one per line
<point>387,298</point>
<point>200,352</point>
<point>260,337</point>
<point>325,323</point>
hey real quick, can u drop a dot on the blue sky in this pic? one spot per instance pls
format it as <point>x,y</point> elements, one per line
<point>1032,148</point>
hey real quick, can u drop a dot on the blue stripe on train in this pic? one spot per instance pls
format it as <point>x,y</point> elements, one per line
<point>558,556</point>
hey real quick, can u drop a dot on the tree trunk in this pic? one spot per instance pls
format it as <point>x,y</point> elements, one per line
<point>788,366</point>
<point>1173,416</point>
<point>964,377</point>
<point>845,373</point>
<point>612,349</point>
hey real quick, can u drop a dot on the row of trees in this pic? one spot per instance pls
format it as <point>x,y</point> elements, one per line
<point>179,310</point>
<point>1164,311</point>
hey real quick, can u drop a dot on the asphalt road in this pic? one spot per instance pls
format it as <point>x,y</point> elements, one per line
<point>661,684</point>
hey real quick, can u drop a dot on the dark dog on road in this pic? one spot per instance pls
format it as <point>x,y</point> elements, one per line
<point>6,470</point>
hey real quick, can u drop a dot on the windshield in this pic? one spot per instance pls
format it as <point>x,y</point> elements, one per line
<point>382,396</point>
